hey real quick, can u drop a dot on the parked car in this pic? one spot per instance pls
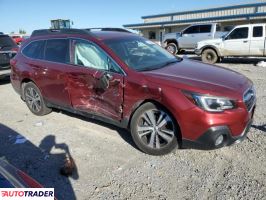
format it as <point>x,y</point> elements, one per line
<point>243,40</point>
<point>8,50</point>
<point>11,177</point>
<point>109,29</point>
<point>188,38</point>
<point>127,80</point>
<point>18,39</point>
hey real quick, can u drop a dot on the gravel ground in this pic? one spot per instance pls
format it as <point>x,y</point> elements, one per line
<point>110,167</point>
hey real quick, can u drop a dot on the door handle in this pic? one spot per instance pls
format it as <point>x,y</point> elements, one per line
<point>245,41</point>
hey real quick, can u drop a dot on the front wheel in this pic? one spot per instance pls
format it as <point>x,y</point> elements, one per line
<point>154,130</point>
<point>209,56</point>
<point>34,100</point>
<point>172,48</point>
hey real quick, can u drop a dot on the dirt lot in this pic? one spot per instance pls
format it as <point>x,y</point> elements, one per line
<point>110,167</point>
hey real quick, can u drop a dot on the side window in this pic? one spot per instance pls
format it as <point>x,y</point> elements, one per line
<point>192,30</point>
<point>205,28</point>
<point>257,31</point>
<point>89,55</point>
<point>34,50</point>
<point>238,33</point>
<point>57,50</point>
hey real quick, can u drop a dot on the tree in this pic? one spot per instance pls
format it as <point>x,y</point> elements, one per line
<point>21,31</point>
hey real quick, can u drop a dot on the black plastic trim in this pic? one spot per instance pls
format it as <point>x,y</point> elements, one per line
<point>207,140</point>
<point>122,124</point>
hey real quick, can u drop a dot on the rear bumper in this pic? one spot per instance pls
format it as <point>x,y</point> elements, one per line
<point>207,140</point>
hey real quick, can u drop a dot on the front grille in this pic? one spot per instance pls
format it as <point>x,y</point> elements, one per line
<point>249,98</point>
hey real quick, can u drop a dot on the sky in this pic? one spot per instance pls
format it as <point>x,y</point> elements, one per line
<point>36,14</point>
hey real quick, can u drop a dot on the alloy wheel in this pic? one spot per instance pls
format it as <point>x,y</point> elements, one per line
<point>33,99</point>
<point>155,129</point>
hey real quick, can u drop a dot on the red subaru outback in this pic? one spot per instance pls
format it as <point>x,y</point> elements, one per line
<point>124,79</point>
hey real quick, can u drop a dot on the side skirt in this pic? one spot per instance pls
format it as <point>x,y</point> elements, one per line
<point>122,124</point>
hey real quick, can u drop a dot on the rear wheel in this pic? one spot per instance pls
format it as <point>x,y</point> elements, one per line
<point>154,130</point>
<point>209,56</point>
<point>34,100</point>
<point>172,48</point>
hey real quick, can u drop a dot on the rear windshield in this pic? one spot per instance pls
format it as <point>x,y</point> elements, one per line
<point>6,41</point>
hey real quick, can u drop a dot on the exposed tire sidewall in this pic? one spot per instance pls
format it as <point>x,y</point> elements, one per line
<point>209,52</point>
<point>133,127</point>
<point>44,110</point>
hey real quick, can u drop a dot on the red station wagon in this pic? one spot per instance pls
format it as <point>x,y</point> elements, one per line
<point>127,80</point>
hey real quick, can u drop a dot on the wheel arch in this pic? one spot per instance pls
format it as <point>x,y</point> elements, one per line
<point>168,41</point>
<point>22,85</point>
<point>213,48</point>
<point>157,103</point>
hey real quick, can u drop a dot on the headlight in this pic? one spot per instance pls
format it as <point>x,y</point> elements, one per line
<point>211,103</point>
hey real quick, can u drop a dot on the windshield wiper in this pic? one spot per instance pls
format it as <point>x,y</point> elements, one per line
<point>154,67</point>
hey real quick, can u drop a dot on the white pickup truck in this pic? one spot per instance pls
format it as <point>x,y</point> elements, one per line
<point>242,41</point>
<point>188,38</point>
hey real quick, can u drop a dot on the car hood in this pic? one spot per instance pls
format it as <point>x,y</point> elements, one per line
<point>212,41</point>
<point>199,77</point>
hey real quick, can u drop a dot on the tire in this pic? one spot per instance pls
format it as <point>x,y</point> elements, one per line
<point>34,100</point>
<point>209,56</point>
<point>172,48</point>
<point>154,130</point>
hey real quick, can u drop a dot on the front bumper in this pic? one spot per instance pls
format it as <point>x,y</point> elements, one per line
<point>197,52</point>
<point>207,140</point>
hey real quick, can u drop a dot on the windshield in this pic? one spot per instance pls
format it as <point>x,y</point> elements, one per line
<point>141,54</point>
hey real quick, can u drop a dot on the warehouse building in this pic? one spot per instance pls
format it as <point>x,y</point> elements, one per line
<point>155,26</point>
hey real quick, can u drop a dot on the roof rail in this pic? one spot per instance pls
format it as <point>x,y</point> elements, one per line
<point>57,31</point>
<point>109,29</point>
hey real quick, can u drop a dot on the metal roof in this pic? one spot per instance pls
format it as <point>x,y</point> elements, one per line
<point>196,20</point>
<point>205,10</point>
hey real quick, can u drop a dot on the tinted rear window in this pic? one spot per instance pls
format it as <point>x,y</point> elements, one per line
<point>34,50</point>
<point>57,50</point>
<point>192,30</point>
<point>257,31</point>
<point>205,28</point>
<point>6,41</point>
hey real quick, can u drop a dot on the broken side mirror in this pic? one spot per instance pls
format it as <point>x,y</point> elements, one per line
<point>104,81</point>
